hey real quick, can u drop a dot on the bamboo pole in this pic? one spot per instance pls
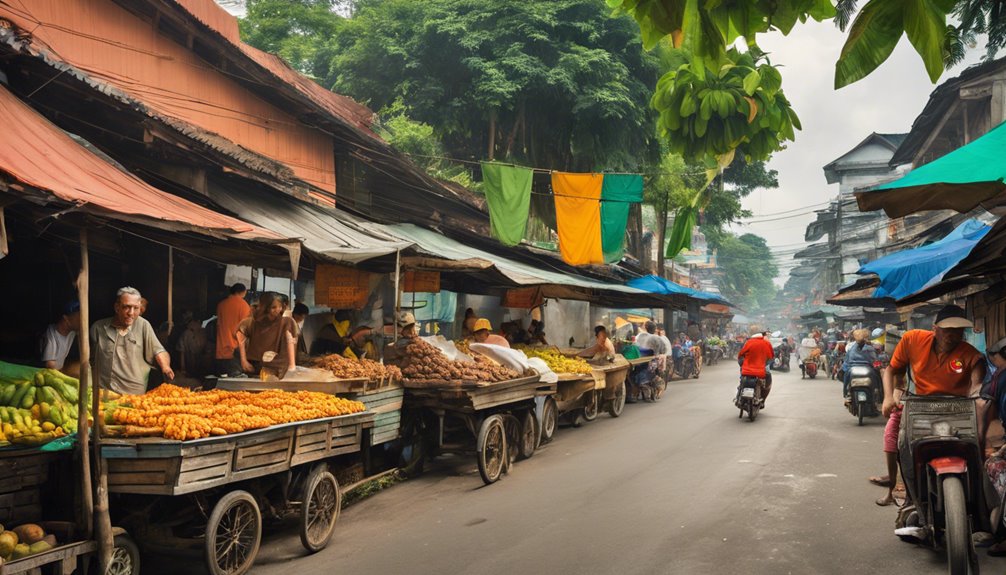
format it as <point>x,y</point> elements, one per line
<point>398,282</point>
<point>84,345</point>
<point>102,521</point>
<point>171,290</point>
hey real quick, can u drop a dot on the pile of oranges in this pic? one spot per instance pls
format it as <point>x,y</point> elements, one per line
<point>184,414</point>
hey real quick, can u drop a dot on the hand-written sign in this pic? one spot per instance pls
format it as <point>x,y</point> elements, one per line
<point>421,282</point>
<point>523,298</point>
<point>340,287</point>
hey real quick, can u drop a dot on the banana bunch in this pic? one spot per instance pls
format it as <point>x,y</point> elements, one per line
<point>36,405</point>
<point>556,361</point>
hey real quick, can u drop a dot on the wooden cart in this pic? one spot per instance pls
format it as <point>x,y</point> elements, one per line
<point>503,418</point>
<point>213,492</point>
<point>580,397</point>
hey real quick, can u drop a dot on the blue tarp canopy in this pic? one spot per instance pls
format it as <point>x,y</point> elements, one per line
<point>907,272</point>
<point>659,285</point>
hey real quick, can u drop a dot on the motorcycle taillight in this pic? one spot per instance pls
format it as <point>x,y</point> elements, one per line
<point>877,365</point>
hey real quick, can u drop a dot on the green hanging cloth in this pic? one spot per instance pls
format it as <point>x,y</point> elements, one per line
<point>618,193</point>
<point>681,233</point>
<point>508,193</point>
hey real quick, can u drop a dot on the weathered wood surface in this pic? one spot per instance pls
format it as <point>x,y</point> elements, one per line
<point>169,467</point>
<point>476,398</point>
<point>331,387</point>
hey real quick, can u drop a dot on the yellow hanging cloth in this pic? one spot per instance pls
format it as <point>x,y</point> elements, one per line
<point>578,217</point>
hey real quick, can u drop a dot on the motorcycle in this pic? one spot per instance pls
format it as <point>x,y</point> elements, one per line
<point>865,392</point>
<point>945,456</point>
<point>809,368</point>
<point>648,380</point>
<point>781,360</point>
<point>687,367</point>
<point>748,397</point>
<point>715,353</point>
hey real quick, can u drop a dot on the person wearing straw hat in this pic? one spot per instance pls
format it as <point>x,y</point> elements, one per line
<point>482,333</point>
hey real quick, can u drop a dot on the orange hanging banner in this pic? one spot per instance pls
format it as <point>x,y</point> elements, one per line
<point>578,217</point>
<point>340,287</point>
<point>523,298</point>
<point>413,281</point>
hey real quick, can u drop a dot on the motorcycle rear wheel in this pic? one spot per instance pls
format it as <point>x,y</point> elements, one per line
<point>957,535</point>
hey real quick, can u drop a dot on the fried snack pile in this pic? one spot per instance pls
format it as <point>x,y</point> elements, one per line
<point>425,362</point>
<point>345,368</point>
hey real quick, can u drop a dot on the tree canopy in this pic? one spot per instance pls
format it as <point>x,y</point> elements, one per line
<point>746,270</point>
<point>557,84</point>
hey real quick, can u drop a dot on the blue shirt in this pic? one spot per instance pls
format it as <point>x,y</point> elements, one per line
<point>856,355</point>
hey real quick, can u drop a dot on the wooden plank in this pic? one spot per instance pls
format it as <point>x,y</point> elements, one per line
<point>209,460</point>
<point>54,555</point>
<point>149,477</point>
<point>140,465</point>
<point>334,387</point>
<point>198,475</point>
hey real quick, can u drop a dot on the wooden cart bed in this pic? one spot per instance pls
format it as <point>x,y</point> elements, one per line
<point>169,467</point>
<point>478,396</point>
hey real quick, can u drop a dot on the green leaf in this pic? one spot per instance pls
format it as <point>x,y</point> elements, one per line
<point>925,26</point>
<point>872,38</point>
<point>751,82</point>
<point>771,80</point>
<point>687,105</point>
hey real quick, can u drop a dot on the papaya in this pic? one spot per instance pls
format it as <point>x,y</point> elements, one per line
<point>29,533</point>
<point>56,416</point>
<point>50,539</point>
<point>8,539</point>
<point>21,550</point>
<point>38,547</point>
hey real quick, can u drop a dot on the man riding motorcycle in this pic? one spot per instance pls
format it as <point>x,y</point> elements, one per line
<point>859,353</point>
<point>753,357</point>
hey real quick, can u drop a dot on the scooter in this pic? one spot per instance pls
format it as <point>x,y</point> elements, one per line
<point>809,368</point>
<point>748,397</point>
<point>781,360</point>
<point>946,461</point>
<point>865,392</point>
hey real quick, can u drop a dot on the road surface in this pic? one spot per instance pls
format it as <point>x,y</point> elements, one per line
<point>680,486</point>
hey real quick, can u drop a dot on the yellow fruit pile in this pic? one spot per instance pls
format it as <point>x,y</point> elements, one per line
<point>556,361</point>
<point>36,405</point>
<point>183,414</point>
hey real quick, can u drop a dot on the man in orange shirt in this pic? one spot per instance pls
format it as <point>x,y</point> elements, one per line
<point>755,355</point>
<point>230,311</point>
<point>941,363</point>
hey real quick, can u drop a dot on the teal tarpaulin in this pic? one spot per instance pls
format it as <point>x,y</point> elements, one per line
<point>618,193</point>
<point>508,193</point>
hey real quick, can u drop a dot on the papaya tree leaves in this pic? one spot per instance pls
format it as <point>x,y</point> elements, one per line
<point>751,82</point>
<point>925,26</point>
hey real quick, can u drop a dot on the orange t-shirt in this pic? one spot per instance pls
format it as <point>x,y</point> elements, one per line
<point>949,373</point>
<point>230,312</point>
<point>756,352</point>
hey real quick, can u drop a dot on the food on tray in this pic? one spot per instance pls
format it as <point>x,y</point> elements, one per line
<point>556,361</point>
<point>423,361</point>
<point>177,413</point>
<point>23,541</point>
<point>345,368</point>
<point>36,405</point>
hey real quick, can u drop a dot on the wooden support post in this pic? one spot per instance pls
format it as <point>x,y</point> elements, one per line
<point>84,346</point>
<point>398,294</point>
<point>171,289</point>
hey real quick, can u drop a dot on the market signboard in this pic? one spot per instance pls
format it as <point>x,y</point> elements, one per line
<point>340,287</point>
<point>523,298</point>
<point>421,282</point>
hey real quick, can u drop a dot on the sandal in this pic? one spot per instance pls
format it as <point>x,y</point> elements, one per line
<point>884,481</point>
<point>885,501</point>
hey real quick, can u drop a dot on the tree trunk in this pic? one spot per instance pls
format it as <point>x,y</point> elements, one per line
<point>513,132</point>
<point>492,134</point>
<point>661,238</point>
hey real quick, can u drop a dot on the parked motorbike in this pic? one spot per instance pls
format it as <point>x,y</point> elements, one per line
<point>809,368</point>
<point>945,456</point>
<point>748,397</point>
<point>865,392</point>
<point>687,367</point>
<point>647,381</point>
<point>714,354</point>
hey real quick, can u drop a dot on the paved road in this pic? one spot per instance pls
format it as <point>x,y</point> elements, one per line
<point>681,486</point>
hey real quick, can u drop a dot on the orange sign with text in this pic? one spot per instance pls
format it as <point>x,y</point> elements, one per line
<point>340,287</point>
<point>523,298</point>
<point>421,282</point>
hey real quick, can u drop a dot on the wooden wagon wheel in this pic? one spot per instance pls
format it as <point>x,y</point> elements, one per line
<point>590,410</point>
<point>319,508</point>
<point>125,557</point>
<point>233,534</point>
<point>617,403</point>
<point>528,434</point>
<point>549,419</point>
<point>492,449</point>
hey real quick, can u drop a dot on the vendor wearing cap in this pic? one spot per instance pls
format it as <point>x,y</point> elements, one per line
<point>360,346</point>
<point>482,333</point>
<point>942,363</point>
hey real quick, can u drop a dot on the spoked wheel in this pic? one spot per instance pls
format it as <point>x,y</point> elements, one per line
<point>528,434</point>
<point>319,508</point>
<point>549,419</point>
<point>590,410</point>
<point>233,534</point>
<point>617,403</point>
<point>492,449</point>
<point>125,557</point>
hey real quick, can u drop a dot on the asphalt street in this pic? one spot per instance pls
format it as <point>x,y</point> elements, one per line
<point>679,486</point>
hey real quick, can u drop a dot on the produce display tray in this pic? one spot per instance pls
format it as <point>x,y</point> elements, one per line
<point>161,466</point>
<point>471,398</point>
<point>330,387</point>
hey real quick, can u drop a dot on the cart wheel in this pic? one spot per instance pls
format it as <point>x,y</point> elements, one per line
<point>233,534</point>
<point>549,420</point>
<point>492,449</point>
<point>319,508</point>
<point>528,434</point>
<point>125,557</point>
<point>617,403</point>
<point>590,411</point>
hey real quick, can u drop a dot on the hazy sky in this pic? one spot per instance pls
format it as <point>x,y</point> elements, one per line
<point>887,101</point>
